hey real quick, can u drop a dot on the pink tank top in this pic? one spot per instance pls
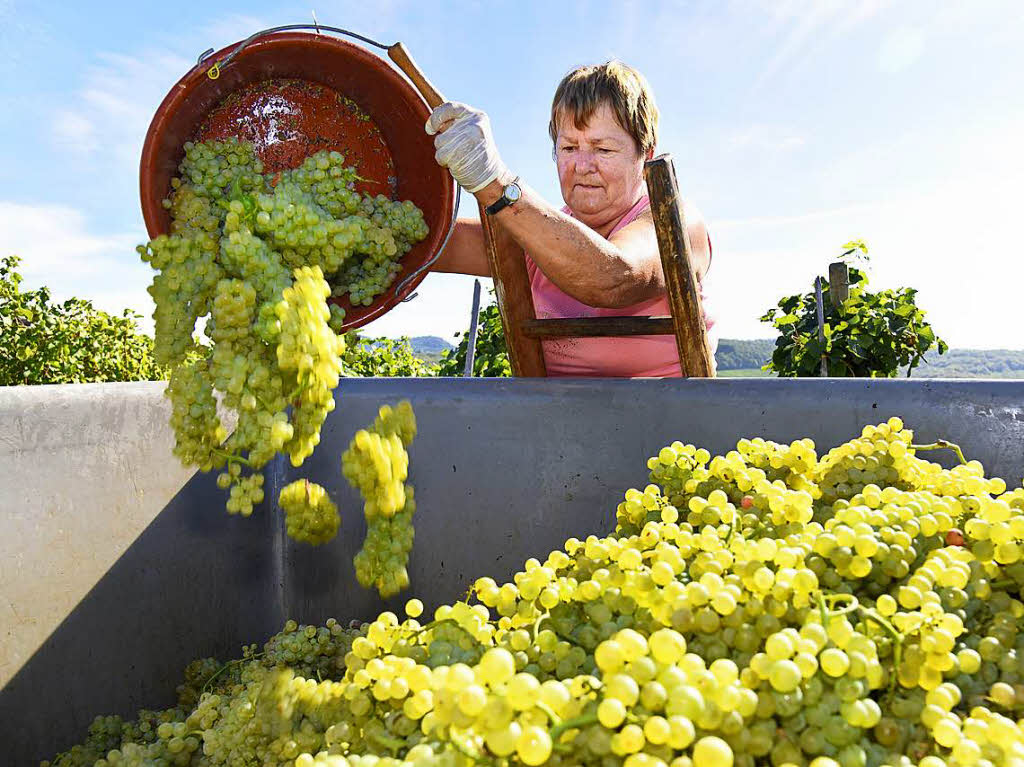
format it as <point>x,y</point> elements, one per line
<point>613,357</point>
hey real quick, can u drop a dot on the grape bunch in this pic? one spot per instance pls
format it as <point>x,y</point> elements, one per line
<point>255,256</point>
<point>381,562</point>
<point>308,352</point>
<point>310,514</point>
<point>377,464</point>
<point>303,232</point>
<point>763,608</point>
<point>246,492</point>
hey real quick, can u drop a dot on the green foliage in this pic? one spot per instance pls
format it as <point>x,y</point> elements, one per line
<point>382,357</point>
<point>491,360</point>
<point>869,335</point>
<point>42,342</point>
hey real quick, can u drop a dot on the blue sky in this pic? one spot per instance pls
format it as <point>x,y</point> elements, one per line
<point>795,125</point>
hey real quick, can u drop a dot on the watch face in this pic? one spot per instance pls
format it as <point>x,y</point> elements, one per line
<point>513,192</point>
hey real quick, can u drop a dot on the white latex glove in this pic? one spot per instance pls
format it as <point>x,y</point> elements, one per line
<point>465,145</point>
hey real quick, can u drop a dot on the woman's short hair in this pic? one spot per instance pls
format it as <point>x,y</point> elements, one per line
<point>625,90</point>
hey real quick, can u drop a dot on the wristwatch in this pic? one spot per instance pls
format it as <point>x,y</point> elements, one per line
<point>509,196</point>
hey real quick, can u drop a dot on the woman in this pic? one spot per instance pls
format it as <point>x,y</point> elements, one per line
<point>598,256</point>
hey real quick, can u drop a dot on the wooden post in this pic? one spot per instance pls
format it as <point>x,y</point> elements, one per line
<point>508,265</point>
<point>474,319</point>
<point>695,358</point>
<point>515,301</point>
<point>819,306</point>
<point>838,283</point>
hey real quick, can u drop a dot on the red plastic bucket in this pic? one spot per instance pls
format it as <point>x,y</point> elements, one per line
<point>377,89</point>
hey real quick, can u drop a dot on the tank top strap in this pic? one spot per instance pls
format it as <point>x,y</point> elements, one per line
<point>630,216</point>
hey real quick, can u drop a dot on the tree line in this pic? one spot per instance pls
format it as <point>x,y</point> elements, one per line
<point>871,333</point>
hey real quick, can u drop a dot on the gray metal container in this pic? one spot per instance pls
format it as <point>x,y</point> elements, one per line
<point>117,567</point>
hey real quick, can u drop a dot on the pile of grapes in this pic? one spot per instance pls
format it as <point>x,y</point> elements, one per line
<point>256,255</point>
<point>765,607</point>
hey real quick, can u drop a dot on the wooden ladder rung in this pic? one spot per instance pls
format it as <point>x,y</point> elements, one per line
<point>590,327</point>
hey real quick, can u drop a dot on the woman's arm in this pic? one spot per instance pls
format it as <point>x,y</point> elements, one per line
<point>606,273</point>
<point>594,269</point>
<point>465,252</point>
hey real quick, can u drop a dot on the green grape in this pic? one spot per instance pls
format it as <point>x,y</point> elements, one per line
<point>245,493</point>
<point>337,321</point>
<point>310,514</point>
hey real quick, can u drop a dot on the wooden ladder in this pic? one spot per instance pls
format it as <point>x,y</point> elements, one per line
<point>524,332</point>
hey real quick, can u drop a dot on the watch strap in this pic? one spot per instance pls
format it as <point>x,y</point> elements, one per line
<point>502,202</point>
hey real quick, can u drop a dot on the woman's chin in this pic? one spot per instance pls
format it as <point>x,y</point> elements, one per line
<point>587,203</point>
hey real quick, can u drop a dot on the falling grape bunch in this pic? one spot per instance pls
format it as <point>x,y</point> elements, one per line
<point>256,255</point>
<point>377,464</point>
<point>769,606</point>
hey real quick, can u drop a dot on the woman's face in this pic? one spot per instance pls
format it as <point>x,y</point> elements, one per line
<point>600,169</point>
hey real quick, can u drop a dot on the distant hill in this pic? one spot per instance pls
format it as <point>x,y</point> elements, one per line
<point>749,355</point>
<point>429,344</point>
<point>429,348</point>
<point>738,354</point>
<point>973,363</point>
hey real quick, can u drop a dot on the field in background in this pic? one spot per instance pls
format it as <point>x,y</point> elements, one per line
<point>739,358</point>
<point>743,373</point>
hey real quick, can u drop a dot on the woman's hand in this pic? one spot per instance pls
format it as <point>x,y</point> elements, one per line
<point>465,145</point>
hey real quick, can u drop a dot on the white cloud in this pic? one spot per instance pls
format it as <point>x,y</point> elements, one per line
<point>231,28</point>
<point>59,251</point>
<point>805,26</point>
<point>761,137</point>
<point>900,49</point>
<point>75,131</point>
<point>106,120</point>
<point>762,223</point>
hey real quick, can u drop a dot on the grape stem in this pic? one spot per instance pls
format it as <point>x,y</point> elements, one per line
<point>466,750</point>
<point>853,605</point>
<point>225,667</point>
<point>896,636</point>
<point>942,444</point>
<point>555,718</point>
<point>434,624</point>
<point>298,389</point>
<point>536,624</point>
<point>829,599</point>
<point>394,745</point>
<point>572,724</point>
<point>231,457</point>
<point>823,610</point>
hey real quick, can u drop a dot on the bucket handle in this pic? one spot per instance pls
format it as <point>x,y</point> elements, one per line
<point>283,28</point>
<point>400,56</point>
<point>396,52</point>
